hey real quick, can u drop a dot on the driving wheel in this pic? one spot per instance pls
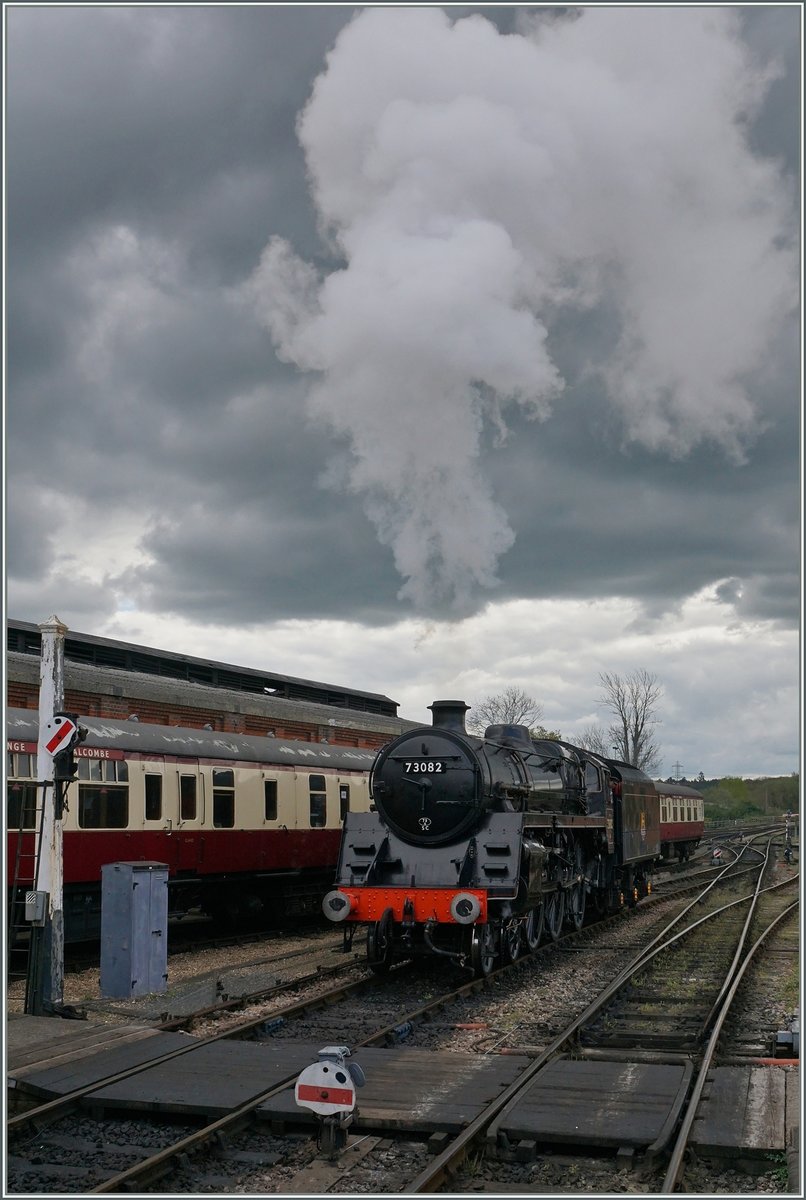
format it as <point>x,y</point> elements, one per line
<point>482,949</point>
<point>575,906</point>
<point>379,944</point>
<point>555,911</point>
<point>511,939</point>
<point>533,927</point>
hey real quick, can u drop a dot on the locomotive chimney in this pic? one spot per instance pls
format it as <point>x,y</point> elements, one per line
<point>449,714</point>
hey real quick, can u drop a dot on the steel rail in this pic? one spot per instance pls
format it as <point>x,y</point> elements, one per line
<point>674,1169</point>
<point>723,876</point>
<point>445,1164</point>
<point>53,1109</point>
<point>156,1164</point>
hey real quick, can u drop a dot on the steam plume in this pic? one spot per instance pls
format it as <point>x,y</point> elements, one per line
<point>474,186</point>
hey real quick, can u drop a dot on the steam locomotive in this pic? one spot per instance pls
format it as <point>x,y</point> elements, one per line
<point>473,847</point>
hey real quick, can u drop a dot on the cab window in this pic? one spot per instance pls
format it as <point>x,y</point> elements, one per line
<point>592,781</point>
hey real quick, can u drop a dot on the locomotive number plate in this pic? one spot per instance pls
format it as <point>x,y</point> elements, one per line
<point>423,766</point>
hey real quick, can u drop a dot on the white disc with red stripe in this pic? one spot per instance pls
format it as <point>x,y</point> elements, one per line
<point>325,1088</point>
<point>60,731</point>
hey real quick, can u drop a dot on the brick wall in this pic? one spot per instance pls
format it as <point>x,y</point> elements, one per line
<point>153,712</point>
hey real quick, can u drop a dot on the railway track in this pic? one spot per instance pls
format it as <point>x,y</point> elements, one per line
<point>622,1018</point>
<point>239,1142</point>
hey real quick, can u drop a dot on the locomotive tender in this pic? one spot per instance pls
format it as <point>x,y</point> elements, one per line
<point>475,845</point>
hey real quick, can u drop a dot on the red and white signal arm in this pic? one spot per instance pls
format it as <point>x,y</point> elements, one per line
<point>326,1088</point>
<point>60,733</point>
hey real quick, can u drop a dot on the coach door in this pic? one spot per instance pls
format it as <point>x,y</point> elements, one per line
<point>190,813</point>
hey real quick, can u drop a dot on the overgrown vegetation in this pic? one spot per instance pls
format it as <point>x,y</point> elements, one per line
<point>732,799</point>
<point>790,992</point>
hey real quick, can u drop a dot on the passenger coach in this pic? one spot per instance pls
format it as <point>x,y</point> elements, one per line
<point>682,820</point>
<point>246,825</point>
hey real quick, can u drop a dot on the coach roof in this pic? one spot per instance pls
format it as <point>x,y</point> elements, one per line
<point>137,737</point>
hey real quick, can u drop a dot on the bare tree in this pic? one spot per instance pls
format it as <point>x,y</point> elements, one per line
<point>510,707</point>
<point>632,700</point>
<point>594,738</point>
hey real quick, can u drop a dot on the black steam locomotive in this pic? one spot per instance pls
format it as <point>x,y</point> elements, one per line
<point>476,846</point>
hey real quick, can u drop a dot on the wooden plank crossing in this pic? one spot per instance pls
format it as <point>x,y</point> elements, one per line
<point>620,1105</point>
<point>209,1080</point>
<point>415,1090</point>
<point>744,1109</point>
<point>33,1042</point>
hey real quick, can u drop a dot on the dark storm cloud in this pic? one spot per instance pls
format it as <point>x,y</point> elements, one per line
<point>772,33</point>
<point>150,114</point>
<point>151,156</point>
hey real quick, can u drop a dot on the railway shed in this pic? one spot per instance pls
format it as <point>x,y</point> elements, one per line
<point>115,679</point>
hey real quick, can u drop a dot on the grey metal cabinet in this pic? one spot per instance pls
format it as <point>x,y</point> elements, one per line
<point>134,928</point>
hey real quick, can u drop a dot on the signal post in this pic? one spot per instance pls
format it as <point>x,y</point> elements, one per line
<point>45,992</point>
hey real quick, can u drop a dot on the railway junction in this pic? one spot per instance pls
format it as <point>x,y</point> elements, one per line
<point>481,1087</point>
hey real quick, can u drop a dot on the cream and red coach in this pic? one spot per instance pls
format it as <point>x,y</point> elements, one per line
<point>245,824</point>
<point>682,820</point>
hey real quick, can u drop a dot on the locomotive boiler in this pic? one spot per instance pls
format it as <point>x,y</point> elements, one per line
<point>474,847</point>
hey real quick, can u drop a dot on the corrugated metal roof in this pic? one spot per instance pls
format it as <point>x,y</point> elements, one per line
<point>24,637</point>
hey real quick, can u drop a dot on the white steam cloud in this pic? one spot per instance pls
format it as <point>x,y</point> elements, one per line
<point>475,185</point>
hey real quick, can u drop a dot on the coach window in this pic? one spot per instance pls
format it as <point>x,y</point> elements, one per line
<point>21,805</point>
<point>344,800</point>
<point>21,766</point>
<point>316,785</point>
<point>269,799</point>
<point>104,805</point>
<point>187,798</point>
<point>90,769</point>
<point>674,812</point>
<point>21,796</point>
<point>223,799</point>
<point>153,797</point>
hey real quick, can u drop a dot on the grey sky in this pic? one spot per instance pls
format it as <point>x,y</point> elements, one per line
<point>374,316</point>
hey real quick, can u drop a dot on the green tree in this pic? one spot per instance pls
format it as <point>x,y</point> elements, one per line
<point>547,735</point>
